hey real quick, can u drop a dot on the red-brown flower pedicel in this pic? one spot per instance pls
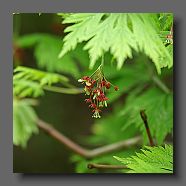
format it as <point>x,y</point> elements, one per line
<point>95,87</point>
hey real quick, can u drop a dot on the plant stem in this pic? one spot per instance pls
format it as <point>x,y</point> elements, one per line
<point>63,90</point>
<point>102,60</point>
<point>160,84</point>
<point>82,151</point>
<point>144,118</point>
<point>98,69</point>
<point>102,166</point>
<point>116,146</point>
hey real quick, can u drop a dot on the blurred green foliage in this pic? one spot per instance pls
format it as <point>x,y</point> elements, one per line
<point>46,50</point>
<point>140,37</point>
<point>24,121</point>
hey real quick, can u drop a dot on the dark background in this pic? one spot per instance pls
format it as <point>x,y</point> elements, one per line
<point>43,153</point>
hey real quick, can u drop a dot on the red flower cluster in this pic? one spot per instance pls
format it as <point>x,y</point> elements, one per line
<point>96,88</point>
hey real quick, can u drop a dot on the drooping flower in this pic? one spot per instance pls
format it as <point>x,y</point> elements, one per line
<point>95,87</point>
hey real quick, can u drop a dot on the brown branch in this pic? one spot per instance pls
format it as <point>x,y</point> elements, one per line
<point>102,166</point>
<point>116,146</point>
<point>61,138</point>
<point>82,151</point>
<point>144,118</point>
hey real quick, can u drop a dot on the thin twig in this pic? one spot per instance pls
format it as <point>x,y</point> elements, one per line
<point>64,90</point>
<point>160,84</point>
<point>82,151</point>
<point>144,118</point>
<point>116,146</point>
<point>103,166</point>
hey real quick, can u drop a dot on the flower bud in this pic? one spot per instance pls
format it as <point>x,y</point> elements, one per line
<point>80,80</point>
<point>88,84</point>
<point>107,85</point>
<point>116,88</point>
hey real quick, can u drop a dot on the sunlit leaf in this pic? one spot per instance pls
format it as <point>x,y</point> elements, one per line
<point>121,33</point>
<point>150,160</point>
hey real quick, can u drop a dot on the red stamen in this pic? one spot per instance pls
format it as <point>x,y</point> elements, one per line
<point>88,100</point>
<point>93,105</point>
<point>107,85</point>
<point>116,88</point>
<point>103,83</point>
<point>93,82</point>
<point>96,110</point>
<point>86,78</point>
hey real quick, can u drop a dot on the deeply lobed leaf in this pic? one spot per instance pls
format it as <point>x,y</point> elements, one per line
<point>121,33</point>
<point>150,160</point>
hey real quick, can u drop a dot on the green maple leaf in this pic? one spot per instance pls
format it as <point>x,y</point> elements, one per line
<point>151,160</point>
